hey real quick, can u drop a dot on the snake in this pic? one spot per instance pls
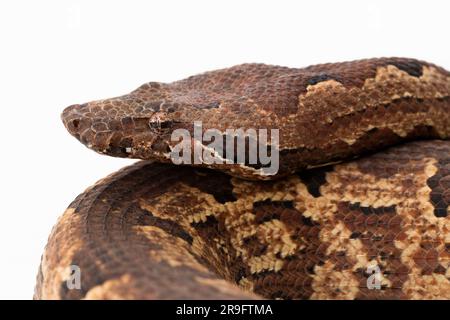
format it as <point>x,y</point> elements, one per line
<point>358,209</point>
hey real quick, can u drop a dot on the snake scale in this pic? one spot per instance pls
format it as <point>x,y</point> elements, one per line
<point>363,184</point>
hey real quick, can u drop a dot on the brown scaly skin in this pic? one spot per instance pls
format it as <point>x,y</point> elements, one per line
<point>155,230</point>
<point>325,113</point>
<point>158,231</point>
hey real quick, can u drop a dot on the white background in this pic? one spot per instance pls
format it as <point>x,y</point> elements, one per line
<point>56,53</point>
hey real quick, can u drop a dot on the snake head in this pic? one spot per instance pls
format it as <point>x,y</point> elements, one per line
<point>136,125</point>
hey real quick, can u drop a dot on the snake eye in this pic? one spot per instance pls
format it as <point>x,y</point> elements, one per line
<point>75,123</point>
<point>160,125</point>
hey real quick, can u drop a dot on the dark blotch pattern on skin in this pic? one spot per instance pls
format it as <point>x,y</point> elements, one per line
<point>440,186</point>
<point>314,179</point>
<point>256,247</point>
<point>371,210</point>
<point>413,68</point>
<point>220,186</point>
<point>321,77</point>
<point>169,226</point>
<point>210,223</point>
<point>90,276</point>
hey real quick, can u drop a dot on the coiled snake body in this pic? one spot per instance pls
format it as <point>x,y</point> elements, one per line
<point>319,229</point>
